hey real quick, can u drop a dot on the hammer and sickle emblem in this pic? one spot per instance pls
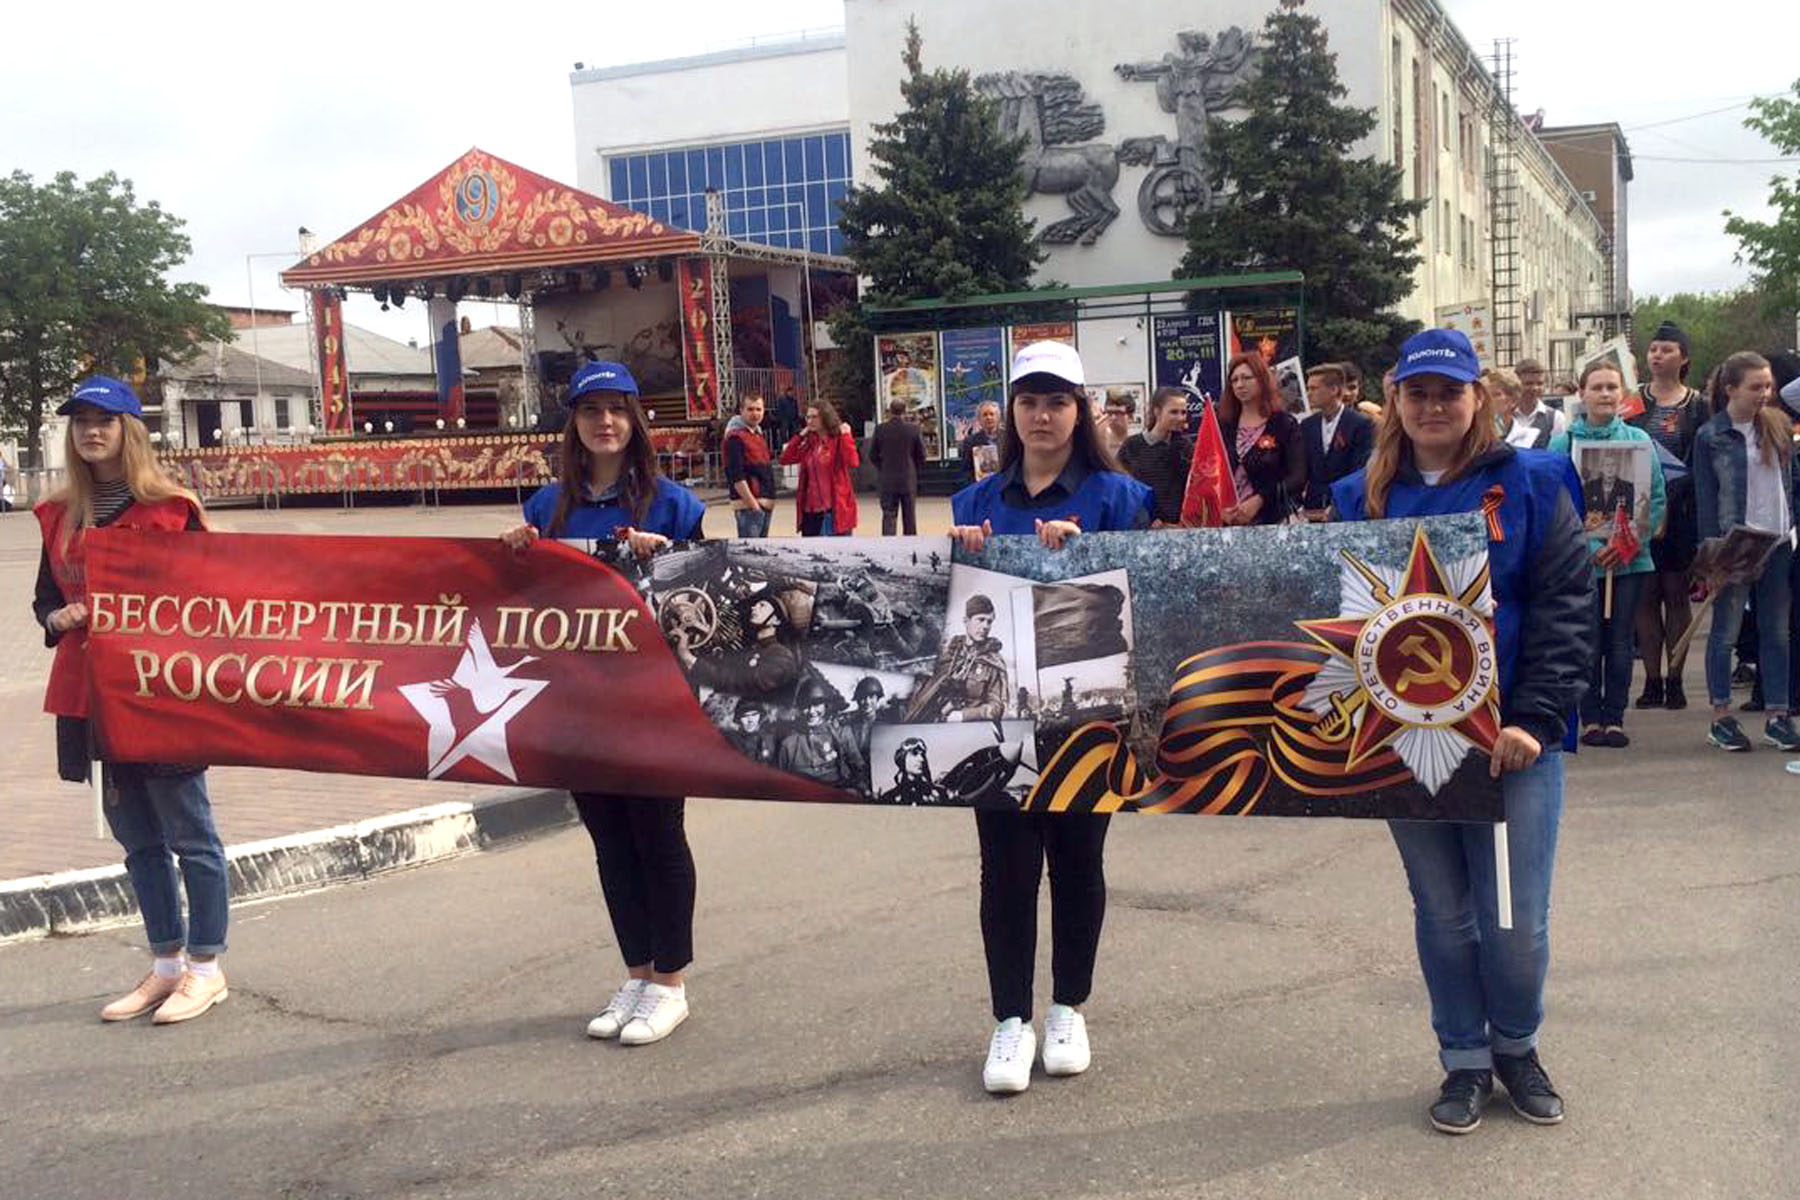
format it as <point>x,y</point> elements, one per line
<point>1438,668</point>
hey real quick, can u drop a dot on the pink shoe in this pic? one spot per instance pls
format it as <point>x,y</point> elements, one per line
<point>141,999</point>
<point>193,996</point>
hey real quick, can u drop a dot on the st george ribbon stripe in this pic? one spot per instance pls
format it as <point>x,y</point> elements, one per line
<point>1234,720</point>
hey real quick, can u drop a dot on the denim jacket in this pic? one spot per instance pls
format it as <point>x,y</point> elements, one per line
<point>1617,430</point>
<point>1721,465</point>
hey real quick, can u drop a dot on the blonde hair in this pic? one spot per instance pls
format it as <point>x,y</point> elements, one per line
<point>148,482</point>
<point>1504,378</point>
<point>1774,432</point>
<point>1392,447</point>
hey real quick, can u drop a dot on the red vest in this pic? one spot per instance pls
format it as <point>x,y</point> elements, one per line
<point>67,693</point>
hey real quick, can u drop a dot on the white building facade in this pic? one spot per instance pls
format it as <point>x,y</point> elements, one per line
<point>1112,98</point>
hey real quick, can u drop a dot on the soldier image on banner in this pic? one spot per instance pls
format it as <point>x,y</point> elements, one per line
<point>969,682</point>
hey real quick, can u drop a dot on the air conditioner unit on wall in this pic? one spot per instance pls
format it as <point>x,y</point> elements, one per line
<point>1588,196</point>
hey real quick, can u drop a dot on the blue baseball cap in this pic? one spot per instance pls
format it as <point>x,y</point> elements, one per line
<point>601,377</point>
<point>104,393</point>
<point>1444,352</point>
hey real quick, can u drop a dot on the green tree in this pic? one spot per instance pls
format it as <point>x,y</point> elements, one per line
<point>1772,248</point>
<point>1718,324</point>
<point>946,219</point>
<point>84,289</point>
<point>1293,198</point>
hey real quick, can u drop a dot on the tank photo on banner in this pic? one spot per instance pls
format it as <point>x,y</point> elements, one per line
<point>1320,670</point>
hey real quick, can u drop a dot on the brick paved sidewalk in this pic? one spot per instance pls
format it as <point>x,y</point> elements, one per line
<point>49,825</point>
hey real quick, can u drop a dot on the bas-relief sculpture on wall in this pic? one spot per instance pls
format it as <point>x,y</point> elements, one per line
<point>1063,157</point>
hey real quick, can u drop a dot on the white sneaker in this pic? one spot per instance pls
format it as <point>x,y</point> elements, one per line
<point>654,1017</point>
<point>612,1018</point>
<point>1065,1041</point>
<point>1010,1053</point>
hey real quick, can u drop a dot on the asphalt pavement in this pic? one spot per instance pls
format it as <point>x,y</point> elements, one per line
<point>1259,1025</point>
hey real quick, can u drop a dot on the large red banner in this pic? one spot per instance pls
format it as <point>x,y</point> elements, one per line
<point>696,338</point>
<point>457,659</point>
<point>334,376</point>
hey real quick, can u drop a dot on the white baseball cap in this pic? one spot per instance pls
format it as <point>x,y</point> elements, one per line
<point>1048,358</point>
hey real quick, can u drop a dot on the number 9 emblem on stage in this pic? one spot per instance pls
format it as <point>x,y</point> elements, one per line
<point>477,198</point>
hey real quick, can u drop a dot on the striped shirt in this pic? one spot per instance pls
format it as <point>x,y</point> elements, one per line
<point>110,499</point>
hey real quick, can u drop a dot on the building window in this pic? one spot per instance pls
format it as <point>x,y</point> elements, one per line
<point>780,192</point>
<point>1444,245</point>
<point>283,417</point>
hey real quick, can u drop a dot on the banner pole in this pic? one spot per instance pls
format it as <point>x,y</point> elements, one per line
<point>1502,876</point>
<point>95,767</point>
<point>1607,613</point>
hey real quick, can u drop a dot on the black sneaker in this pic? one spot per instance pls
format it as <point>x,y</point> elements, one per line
<point>1755,703</point>
<point>1529,1088</point>
<point>1616,737</point>
<point>1460,1101</point>
<point>1779,733</point>
<point>1726,735</point>
<point>1677,698</point>
<point>1743,676</point>
<point>1593,735</point>
<point>1653,695</point>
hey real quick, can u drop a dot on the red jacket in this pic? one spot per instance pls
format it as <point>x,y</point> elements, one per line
<point>843,459</point>
<point>67,693</point>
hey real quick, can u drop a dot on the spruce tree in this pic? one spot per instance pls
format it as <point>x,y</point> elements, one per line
<point>946,220</point>
<point>1293,198</point>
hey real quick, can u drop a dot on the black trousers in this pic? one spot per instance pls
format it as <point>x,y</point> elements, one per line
<point>646,875</point>
<point>1014,847</point>
<point>813,524</point>
<point>905,503</point>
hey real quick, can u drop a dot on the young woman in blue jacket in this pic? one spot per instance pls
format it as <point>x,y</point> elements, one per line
<point>1055,481</point>
<point>1744,475</point>
<point>609,488</point>
<point>1603,711</point>
<point>1436,453</point>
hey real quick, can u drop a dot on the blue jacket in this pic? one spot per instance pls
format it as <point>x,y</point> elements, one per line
<point>1618,431</point>
<point>1540,570</point>
<point>1098,501</point>
<point>675,512</point>
<point>1721,468</point>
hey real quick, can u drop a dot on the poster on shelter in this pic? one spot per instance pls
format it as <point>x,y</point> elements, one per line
<point>906,370</point>
<point>1020,336</point>
<point>1617,354</point>
<point>1127,394</point>
<point>1615,478</point>
<point>1319,670</point>
<point>1184,349</point>
<point>1273,333</point>
<point>974,373</point>
<point>1475,322</point>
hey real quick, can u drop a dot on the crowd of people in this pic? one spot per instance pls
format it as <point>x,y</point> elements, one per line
<point>1573,608</point>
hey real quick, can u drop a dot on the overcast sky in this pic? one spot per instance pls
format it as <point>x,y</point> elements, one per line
<point>319,115</point>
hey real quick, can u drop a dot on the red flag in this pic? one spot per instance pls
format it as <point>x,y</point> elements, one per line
<point>1210,487</point>
<point>1624,541</point>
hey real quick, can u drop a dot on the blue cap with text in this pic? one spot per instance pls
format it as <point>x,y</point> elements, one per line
<point>1438,352</point>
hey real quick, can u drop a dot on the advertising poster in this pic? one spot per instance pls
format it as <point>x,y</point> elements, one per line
<point>1184,349</point>
<point>1273,333</point>
<point>1302,671</point>
<point>1133,395</point>
<point>906,369</point>
<point>1475,322</point>
<point>974,373</point>
<point>695,283</point>
<point>1043,331</point>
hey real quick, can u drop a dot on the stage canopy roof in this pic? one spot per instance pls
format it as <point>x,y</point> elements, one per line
<point>482,215</point>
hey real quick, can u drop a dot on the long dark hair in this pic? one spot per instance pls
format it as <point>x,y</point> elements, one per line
<point>1230,410</point>
<point>1086,440</point>
<point>829,421</point>
<point>637,477</point>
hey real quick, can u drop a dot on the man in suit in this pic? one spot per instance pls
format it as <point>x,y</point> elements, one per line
<point>1337,437</point>
<point>898,453</point>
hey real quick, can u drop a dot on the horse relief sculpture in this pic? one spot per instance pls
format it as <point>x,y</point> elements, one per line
<point>1049,112</point>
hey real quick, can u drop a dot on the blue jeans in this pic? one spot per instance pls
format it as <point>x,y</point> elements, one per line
<point>161,820</point>
<point>1486,983</point>
<point>1610,686</point>
<point>1772,600</point>
<point>753,522</point>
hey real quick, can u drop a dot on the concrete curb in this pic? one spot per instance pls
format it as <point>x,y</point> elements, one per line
<point>84,901</point>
